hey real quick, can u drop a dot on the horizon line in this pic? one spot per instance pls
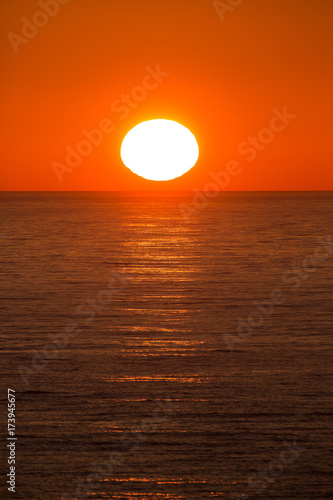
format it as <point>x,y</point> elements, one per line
<point>170,191</point>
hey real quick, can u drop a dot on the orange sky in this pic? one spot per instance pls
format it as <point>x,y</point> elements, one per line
<point>224,79</point>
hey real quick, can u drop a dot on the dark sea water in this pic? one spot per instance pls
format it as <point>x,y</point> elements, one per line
<point>151,394</point>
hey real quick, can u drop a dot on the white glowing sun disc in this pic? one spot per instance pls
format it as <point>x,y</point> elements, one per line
<point>159,150</point>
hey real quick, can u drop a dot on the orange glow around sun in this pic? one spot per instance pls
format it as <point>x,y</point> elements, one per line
<point>78,81</point>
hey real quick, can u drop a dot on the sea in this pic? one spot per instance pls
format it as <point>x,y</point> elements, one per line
<point>166,345</point>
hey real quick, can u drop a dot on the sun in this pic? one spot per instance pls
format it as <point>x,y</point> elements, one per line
<point>159,150</point>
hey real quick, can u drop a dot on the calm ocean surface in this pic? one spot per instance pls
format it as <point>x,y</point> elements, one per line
<point>154,382</point>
